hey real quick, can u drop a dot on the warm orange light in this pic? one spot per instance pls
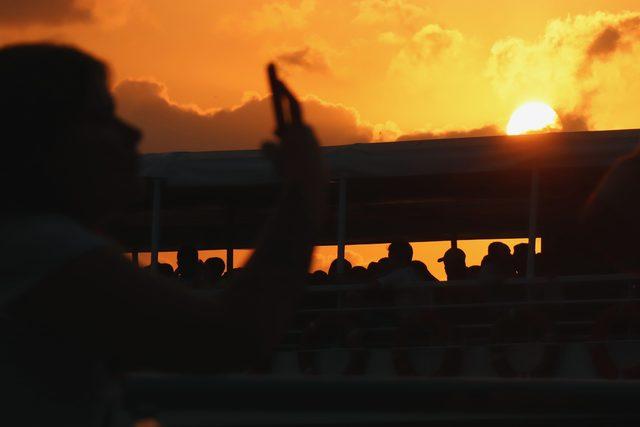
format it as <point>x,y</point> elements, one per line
<point>532,117</point>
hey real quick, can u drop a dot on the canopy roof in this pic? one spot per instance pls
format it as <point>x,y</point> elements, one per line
<point>402,159</point>
<point>421,190</point>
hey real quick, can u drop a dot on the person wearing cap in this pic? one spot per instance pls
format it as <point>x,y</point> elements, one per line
<point>455,264</point>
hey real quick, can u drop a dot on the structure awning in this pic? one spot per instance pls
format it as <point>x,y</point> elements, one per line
<point>420,190</point>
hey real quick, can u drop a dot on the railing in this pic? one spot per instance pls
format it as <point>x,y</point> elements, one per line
<point>362,397</point>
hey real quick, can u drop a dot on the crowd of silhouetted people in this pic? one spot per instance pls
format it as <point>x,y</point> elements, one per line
<point>195,273</point>
<point>399,267</point>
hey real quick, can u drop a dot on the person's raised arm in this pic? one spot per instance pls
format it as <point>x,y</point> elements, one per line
<point>107,306</point>
<point>266,292</point>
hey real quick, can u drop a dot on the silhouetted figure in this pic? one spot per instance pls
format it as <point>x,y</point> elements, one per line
<point>189,265</point>
<point>455,264</point>
<point>74,309</point>
<point>400,277</point>
<point>498,263</point>
<point>520,255</point>
<point>610,218</point>
<point>359,274</point>
<point>384,266</point>
<point>423,271</point>
<point>336,278</point>
<point>319,277</point>
<point>213,270</point>
<point>165,269</point>
<point>473,272</point>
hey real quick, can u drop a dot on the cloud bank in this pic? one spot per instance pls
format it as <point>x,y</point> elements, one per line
<point>169,126</point>
<point>43,12</point>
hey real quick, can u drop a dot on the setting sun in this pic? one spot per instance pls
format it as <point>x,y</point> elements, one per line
<point>531,117</point>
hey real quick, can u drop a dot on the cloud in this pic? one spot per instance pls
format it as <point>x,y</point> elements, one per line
<point>307,59</point>
<point>488,130</point>
<point>401,14</point>
<point>575,66</point>
<point>169,126</point>
<point>281,15</point>
<point>390,38</point>
<point>110,13</point>
<point>44,12</point>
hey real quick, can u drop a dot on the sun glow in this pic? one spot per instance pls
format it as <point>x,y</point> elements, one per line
<point>532,117</point>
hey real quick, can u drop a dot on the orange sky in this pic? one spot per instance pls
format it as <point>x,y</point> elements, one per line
<point>369,69</point>
<point>190,73</point>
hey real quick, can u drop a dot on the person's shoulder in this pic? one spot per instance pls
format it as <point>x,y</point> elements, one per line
<point>56,233</point>
<point>33,247</point>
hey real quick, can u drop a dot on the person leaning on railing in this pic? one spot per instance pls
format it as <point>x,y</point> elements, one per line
<point>72,308</point>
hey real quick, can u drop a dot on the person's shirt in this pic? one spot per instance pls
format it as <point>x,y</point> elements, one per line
<point>400,277</point>
<point>46,381</point>
<point>398,281</point>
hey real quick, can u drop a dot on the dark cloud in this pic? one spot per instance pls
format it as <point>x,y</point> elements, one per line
<point>306,58</point>
<point>42,12</point>
<point>488,130</point>
<point>171,127</point>
<point>605,43</point>
<point>612,39</point>
<point>575,121</point>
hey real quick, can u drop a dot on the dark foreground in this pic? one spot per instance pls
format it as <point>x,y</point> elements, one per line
<point>201,401</point>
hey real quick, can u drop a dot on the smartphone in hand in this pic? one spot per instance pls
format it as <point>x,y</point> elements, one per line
<point>281,96</point>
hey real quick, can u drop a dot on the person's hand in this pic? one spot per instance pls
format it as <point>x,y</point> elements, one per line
<point>297,157</point>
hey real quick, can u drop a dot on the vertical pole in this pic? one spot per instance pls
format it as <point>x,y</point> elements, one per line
<point>454,241</point>
<point>134,259</point>
<point>229,257</point>
<point>230,238</point>
<point>342,222</point>
<point>533,222</point>
<point>155,222</point>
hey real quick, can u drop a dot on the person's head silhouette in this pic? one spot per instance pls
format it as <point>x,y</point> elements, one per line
<point>69,153</point>
<point>400,253</point>
<point>520,254</point>
<point>455,264</point>
<point>164,269</point>
<point>188,262</point>
<point>498,263</point>
<point>214,267</point>
<point>333,269</point>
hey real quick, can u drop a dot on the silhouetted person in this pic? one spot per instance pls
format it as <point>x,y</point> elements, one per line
<point>359,274</point>
<point>610,218</point>
<point>74,309</point>
<point>213,270</point>
<point>384,266</point>
<point>423,271</point>
<point>189,265</point>
<point>455,264</point>
<point>473,272</point>
<point>520,255</point>
<point>319,277</point>
<point>337,278</point>
<point>498,263</point>
<point>165,269</point>
<point>400,276</point>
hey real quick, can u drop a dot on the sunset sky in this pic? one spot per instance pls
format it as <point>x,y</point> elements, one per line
<point>190,73</point>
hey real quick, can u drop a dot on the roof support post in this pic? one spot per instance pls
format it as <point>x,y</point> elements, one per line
<point>155,222</point>
<point>230,238</point>
<point>534,196</point>
<point>342,222</point>
<point>135,259</point>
